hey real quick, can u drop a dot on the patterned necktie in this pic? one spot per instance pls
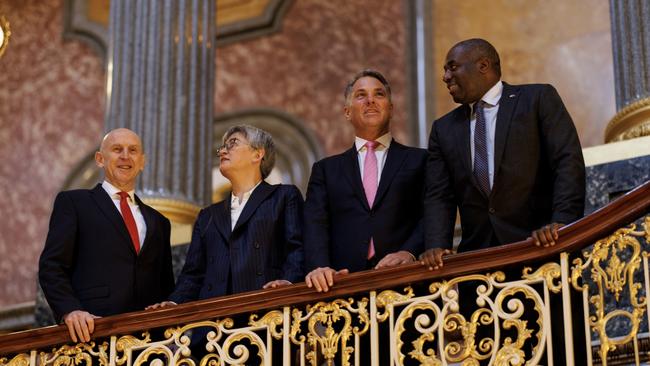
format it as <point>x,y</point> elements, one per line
<point>481,171</point>
<point>127,215</point>
<point>370,182</point>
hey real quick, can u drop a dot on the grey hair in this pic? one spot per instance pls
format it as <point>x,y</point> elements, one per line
<point>258,139</point>
<point>366,73</point>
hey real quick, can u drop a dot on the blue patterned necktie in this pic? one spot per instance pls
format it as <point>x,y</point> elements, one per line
<point>480,149</point>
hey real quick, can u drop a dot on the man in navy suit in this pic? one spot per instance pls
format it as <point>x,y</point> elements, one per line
<point>364,207</point>
<point>524,176</point>
<point>106,252</point>
<point>251,240</point>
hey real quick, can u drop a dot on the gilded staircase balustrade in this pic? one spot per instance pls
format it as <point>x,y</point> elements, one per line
<point>510,305</point>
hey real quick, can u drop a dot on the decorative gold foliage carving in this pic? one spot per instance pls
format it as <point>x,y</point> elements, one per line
<point>21,359</point>
<point>612,263</point>
<point>78,354</point>
<point>272,320</point>
<point>550,272</point>
<point>442,324</point>
<point>330,325</point>
<point>389,297</point>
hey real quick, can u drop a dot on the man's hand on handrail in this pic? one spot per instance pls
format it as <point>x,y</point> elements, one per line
<point>395,259</point>
<point>546,235</point>
<point>276,284</point>
<point>161,305</point>
<point>322,278</point>
<point>81,324</point>
<point>432,258</point>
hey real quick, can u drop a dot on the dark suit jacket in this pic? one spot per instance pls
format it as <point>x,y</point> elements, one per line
<point>539,172</point>
<point>339,222</point>
<point>265,245</point>
<point>89,262</point>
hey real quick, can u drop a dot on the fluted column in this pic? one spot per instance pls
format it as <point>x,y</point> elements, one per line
<point>160,84</point>
<point>631,51</point>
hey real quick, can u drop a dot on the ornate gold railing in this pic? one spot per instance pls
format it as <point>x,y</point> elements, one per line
<point>511,305</point>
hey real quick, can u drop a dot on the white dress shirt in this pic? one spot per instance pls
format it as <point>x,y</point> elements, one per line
<point>491,98</point>
<point>135,209</point>
<point>381,151</point>
<point>237,206</point>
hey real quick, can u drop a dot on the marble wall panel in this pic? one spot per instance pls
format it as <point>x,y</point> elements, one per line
<point>564,43</point>
<point>51,114</point>
<point>304,68</point>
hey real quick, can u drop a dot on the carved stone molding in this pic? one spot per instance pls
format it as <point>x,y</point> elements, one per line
<point>87,20</point>
<point>175,210</point>
<point>630,122</point>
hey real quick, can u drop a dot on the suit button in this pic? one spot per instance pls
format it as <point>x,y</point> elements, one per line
<point>259,273</point>
<point>257,245</point>
<point>209,287</point>
<point>491,210</point>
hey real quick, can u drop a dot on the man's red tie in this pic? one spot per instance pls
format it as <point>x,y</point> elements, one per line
<point>129,220</point>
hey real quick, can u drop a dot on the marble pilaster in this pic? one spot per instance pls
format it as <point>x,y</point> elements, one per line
<point>631,47</point>
<point>160,84</point>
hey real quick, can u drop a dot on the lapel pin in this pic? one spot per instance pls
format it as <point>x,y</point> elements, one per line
<point>512,95</point>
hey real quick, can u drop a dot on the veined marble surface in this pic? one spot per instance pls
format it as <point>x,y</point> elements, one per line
<point>51,115</point>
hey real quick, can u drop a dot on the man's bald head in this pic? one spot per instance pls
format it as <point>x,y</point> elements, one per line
<point>122,158</point>
<point>119,133</point>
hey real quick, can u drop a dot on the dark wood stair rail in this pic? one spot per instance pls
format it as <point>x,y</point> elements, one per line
<point>572,237</point>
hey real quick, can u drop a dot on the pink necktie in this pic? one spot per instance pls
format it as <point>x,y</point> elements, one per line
<point>127,215</point>
<point>370,182</point>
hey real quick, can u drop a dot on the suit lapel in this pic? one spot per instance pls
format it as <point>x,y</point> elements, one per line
<point>221,217</point>
<point>463,139</point>
<point>507,104</point>
<point>396,155</point>
<point>351,172</point>
<point>149,220</point>
<point>257,197</point>
<point>106,205</point>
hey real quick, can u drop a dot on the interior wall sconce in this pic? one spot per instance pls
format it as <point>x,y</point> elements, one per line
<point>5,33</point>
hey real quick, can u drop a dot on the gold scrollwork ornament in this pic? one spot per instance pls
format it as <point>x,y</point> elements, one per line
<point>612,272</point>
<point>125,343</point>
<point>387,298</point>
<point>21,359</point>
<point>78,354</point>
<point>271,320</point>
<point>330,324</point>
<point>550,272</point>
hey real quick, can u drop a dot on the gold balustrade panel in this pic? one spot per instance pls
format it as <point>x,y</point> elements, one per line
<point>494,318</point>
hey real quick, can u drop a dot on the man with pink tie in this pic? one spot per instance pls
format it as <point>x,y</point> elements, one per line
<point>364,207</point>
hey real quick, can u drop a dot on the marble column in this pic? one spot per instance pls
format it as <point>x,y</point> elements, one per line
<point>631,51</point>
<point>160,84</point>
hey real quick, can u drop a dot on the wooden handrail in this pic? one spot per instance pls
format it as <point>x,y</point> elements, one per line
<point>572,238</point>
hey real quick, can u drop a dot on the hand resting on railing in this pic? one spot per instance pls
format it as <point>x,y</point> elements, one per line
<point>546,235</point>
<point>81,324</point>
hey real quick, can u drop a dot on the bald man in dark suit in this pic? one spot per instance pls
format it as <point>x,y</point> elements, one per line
<point>106,251</point>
